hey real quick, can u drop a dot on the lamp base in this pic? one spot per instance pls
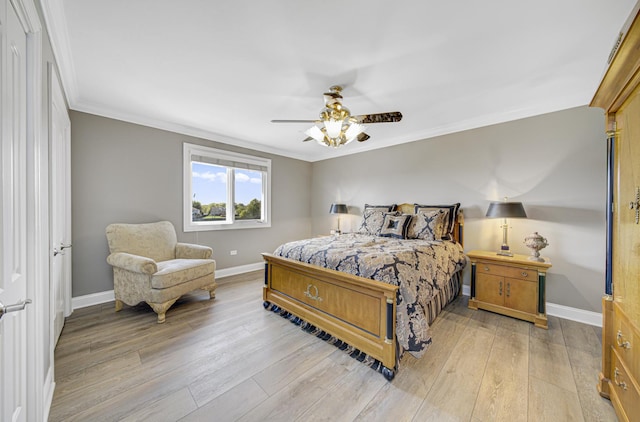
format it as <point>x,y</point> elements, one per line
<point>505,250</point>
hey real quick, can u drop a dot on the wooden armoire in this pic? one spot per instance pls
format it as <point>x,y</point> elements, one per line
<point>619,96</point>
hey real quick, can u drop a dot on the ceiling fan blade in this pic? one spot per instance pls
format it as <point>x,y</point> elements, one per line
<point>294,121</point>
<point>392,116</point>
<point>363,137</point>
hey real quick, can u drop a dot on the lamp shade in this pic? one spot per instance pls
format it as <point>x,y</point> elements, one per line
<point>334,127</point>
<point>353,131</point>
<point>338,209</point>
<point>506,210</point>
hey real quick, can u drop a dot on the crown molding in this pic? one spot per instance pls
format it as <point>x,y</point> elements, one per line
<point>461,126</point>
<point>181,129</point>
<point>56,24</point>
<point>314,155</point>
<point>26,11</point>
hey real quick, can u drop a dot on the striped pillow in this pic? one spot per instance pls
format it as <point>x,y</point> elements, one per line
<point>395,226</point>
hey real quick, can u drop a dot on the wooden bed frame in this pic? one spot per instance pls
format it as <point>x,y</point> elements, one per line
<point>356,310</point>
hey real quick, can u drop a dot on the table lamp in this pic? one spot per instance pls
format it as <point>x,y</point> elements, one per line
<point>506,210</point>
<point>338,209</point>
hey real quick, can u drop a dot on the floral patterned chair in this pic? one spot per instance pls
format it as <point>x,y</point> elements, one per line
<point>150,265</point>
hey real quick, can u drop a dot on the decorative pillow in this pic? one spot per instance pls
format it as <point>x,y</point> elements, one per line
<point>452,213</point>
<point>427,225</point>
<point>395,226</point>
<point>388,208</point>
<point>372,220</point>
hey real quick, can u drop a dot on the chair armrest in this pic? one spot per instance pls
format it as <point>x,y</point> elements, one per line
<point>135,263</point>
<point>191,251</point>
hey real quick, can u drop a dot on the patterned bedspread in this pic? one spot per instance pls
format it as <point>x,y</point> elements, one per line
<point>421,268</point>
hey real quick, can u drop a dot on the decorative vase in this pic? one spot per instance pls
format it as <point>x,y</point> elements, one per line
<point>535,242</point>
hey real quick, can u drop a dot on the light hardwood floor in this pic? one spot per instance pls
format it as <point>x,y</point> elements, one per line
<point>228,359</point>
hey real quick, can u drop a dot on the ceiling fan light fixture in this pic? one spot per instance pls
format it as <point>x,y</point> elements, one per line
<point>315,133</point>
<point>334,127</point>
<point>353,131</point>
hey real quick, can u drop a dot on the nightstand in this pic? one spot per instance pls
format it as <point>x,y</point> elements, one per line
<point>509,285</point>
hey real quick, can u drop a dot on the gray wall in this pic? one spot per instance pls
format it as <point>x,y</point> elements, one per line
<point>123,172</point>
<point>555,164</point>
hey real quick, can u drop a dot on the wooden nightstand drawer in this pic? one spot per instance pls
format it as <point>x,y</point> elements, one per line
<point>504,271</point>
<point>513,286</point>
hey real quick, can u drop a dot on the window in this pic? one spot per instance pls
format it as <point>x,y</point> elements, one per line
<point>225,190</point>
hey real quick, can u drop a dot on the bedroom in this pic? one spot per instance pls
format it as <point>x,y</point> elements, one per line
<point>573,224</point>
<point>555,163</point>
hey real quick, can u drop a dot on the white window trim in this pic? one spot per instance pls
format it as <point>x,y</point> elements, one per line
<point>190,150</point>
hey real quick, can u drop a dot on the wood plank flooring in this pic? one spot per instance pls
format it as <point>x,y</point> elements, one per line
<point>230,360</point>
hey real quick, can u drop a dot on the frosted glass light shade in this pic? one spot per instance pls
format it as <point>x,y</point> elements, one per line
<point>315,133</point>
<point>334,127</point>
<point>353,131</point>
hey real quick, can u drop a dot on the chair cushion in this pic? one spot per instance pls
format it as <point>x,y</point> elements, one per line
<point>177,271</point>
<point>152,240</point>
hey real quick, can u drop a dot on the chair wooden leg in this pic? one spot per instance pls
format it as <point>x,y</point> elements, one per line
<point>118,305</point>
<point>212,290</point>
<point>161,309</point>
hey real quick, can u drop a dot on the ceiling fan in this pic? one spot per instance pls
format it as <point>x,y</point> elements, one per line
<point>337,126</point>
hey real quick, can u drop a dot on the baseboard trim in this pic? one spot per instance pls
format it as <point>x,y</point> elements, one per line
<point>575,314</point>
<point>92,299</point>
<point>561,311</point>
<point>50,387</point>
<point>226,272</point>
<point>108,296</point>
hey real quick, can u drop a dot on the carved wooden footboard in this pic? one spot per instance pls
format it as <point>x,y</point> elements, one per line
<point>356,310</point>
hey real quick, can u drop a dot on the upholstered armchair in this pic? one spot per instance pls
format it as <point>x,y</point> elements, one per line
<point>150,265</point>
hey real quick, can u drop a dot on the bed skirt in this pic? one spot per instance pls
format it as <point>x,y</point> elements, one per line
<point>374,364</point>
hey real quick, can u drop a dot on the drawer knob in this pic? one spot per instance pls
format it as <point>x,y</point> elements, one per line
<point>524,274</point>
<point>486,268</point>
<point>621,342</point>
<point>312,293</point>
<point>620,384</point>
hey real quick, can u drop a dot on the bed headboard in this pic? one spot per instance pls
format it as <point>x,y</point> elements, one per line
<point>458,228</point>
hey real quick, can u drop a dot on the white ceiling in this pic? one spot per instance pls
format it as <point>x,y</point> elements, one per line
<point>222,70</point>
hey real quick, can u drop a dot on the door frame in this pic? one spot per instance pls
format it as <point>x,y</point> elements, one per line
<point>40,383</point>
<point>56,95</point>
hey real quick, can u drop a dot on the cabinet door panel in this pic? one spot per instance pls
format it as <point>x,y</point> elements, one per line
<point>490,289</point>
<point>626,265</point>
<point>521,295</point>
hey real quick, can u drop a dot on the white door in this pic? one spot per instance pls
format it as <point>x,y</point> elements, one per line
<point>13,214</point>
<point>60,180</point>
